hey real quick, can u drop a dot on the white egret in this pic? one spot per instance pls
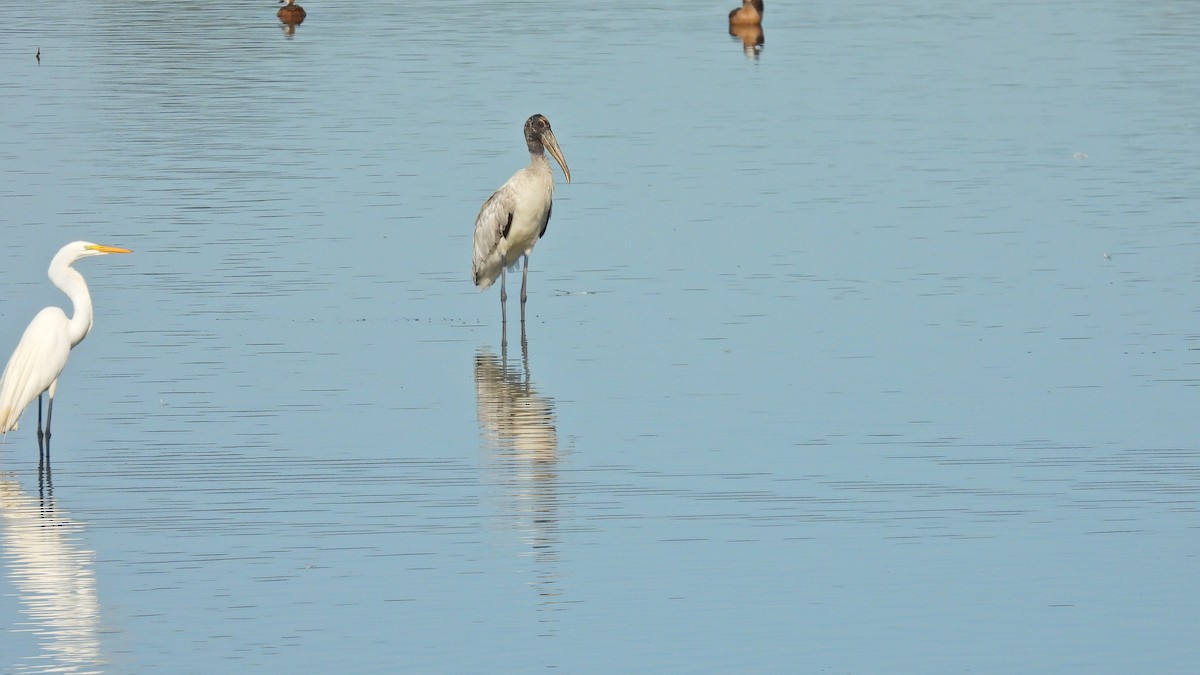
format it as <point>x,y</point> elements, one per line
<point>516,216</point>
<point>291,13</point>
<point>42,353</point>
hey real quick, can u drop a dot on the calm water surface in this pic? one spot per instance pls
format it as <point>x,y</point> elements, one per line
<point>873,351</point>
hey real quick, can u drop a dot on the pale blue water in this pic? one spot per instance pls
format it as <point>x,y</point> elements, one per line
<point>875,353</point>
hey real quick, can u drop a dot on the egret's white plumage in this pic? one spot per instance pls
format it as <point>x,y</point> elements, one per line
<point>42,353</point>
<point>516,216</point>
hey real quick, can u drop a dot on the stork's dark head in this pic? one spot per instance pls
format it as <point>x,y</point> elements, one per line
<point>535,126</point>
<point>539,135</point>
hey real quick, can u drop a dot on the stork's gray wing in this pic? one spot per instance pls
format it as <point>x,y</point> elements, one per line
<point>546,222</point>
<point>491,225</point>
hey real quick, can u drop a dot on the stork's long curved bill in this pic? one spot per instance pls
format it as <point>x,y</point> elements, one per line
<point>551,144</point>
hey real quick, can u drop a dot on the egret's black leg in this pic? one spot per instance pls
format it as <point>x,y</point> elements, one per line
<point>49,413</point>
<point>39,426</point>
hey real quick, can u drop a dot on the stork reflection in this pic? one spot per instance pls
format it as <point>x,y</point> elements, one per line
<point>53,577</point>
<point>520,445</point>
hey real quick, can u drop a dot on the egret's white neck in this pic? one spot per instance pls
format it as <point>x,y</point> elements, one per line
<point>71,282</point>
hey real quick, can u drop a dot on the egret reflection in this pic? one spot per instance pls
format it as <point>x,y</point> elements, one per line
<point>520,445</point>
<point>53,578</point>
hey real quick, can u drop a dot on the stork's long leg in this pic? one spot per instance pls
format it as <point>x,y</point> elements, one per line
<point>524,281</point>
<point>503,292</point>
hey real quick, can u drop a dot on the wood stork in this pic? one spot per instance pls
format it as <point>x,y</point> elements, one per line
<point>513,219</point>
<point>749,14</point>
<point>291,13</point>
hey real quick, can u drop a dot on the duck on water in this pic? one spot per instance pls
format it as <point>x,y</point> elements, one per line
<point>749,14</point>
<point>291,12</point>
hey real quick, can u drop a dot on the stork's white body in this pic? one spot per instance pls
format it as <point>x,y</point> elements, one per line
<point>526,199</point>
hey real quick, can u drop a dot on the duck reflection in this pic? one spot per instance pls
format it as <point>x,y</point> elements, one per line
<point>752,38</point>
<point>520,447</point>
<point>53,577</point>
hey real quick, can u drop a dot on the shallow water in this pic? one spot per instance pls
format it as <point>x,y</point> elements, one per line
<point>874,351</point>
